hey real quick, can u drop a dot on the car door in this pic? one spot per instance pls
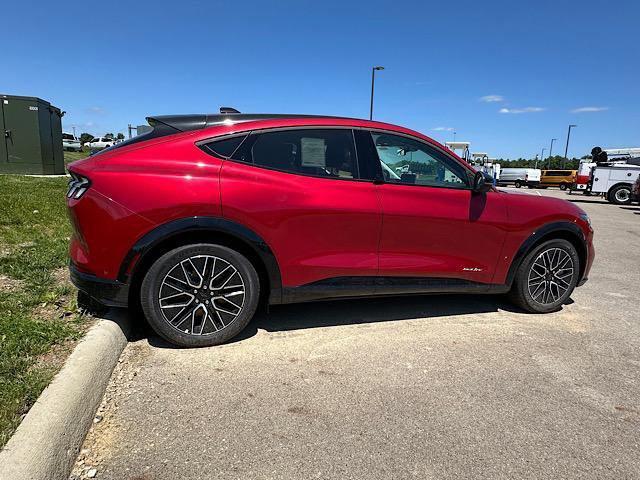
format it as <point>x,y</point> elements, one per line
<point>303,192</point>
<point>434,225</point>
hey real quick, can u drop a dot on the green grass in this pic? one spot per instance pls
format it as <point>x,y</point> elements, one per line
<point>73,156</point>
<point>37,309</point>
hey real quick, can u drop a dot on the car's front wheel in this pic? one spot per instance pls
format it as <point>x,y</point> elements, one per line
<point>546,277</point>
<point>200,295</point>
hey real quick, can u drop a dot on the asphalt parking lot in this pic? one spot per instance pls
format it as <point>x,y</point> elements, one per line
<point>413,387</point>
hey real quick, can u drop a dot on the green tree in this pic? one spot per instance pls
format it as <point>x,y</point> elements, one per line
<point>557,162</point>
<point>86,137</point>
<point>120,136</point>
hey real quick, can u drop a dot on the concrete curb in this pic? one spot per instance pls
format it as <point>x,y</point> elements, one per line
<point>47,442</point>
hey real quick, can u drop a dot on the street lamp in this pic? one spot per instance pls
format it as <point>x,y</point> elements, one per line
<point>551,151</point>
<point>566,147</point>
<point>373,79</point>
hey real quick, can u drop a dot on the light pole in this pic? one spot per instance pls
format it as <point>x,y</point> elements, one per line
<point>541,157</point>
<point>550,152</point>
<point>566,147</point>
<point>373,81</point>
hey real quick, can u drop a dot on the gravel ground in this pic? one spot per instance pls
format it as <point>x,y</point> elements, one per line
<point>413,387</point>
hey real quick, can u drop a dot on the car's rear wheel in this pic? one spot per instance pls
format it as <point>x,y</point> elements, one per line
<point>200,295</point>
<point>518,184</point>
<point>563,186</point>
<point>546,277</point>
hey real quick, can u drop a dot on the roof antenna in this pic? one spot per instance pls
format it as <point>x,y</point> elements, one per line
<point>227,110</point>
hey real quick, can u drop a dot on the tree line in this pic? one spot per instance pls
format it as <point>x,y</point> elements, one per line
<point>556,162</point>
<point>87,137</point>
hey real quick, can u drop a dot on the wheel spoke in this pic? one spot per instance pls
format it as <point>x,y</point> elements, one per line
<point>222,276</point>
<point>177,284</point>
<point>540,289</point>
<point>191,273</point>
<point>183,295</point>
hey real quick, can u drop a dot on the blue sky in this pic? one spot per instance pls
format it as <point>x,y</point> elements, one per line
<point>507,76</point>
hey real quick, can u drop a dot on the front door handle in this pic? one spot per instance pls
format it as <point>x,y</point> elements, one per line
<point>7,134</point>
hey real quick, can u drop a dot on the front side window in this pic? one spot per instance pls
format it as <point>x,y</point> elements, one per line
<point>407,161</point>
<point>318,152</point>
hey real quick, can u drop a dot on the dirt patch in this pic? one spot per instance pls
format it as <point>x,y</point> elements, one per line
<point>8,284</point>
<point>61,276</point>
<point>59,309</point>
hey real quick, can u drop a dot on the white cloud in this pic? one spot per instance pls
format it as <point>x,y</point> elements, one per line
<point>492,98</point>
<point>96,110</point>
<point>589,109</point>
<point>521,110</point>
<point>443,129</point>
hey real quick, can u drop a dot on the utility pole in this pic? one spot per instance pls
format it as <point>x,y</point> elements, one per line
<point>131,128</point>
<point>542,156</point>
<point>566,147</point>
<point>373,80</point>
<point>74,131</point>
<point>551,152</point>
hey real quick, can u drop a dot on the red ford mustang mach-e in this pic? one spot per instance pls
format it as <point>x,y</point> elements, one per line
<point>206,214</point>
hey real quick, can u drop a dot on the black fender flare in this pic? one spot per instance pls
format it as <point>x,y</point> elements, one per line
<point>204,224</point>
<point>537,235</point>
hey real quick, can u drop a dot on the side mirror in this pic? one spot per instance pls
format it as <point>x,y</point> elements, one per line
<point>482,182</point>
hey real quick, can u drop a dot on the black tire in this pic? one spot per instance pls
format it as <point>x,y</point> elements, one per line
<point>563,186</point>
<point>218,322</point>
<point>528,295</point>
<point>620,195</point>
<point>518,184</point>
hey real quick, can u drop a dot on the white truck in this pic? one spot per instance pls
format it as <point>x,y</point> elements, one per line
<point>615,182</point>
<point>519,177</point>
<point>612,179</point>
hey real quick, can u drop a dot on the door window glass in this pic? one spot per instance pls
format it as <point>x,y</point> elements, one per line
<point>317,152</point>
<point>408,161</point>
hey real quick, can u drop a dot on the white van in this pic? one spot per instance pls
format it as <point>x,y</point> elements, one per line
<point>519,177</point>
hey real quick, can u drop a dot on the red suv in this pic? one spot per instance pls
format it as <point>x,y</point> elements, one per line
<point>202,217</point>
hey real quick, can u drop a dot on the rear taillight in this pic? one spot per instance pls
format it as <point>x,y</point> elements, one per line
<point>77,186</point>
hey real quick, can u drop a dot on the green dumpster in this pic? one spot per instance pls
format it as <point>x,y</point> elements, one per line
<point>30,136</point>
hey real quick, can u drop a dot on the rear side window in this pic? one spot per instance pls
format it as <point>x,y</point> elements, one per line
<point>318,152</point>
<point>224,148</point>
